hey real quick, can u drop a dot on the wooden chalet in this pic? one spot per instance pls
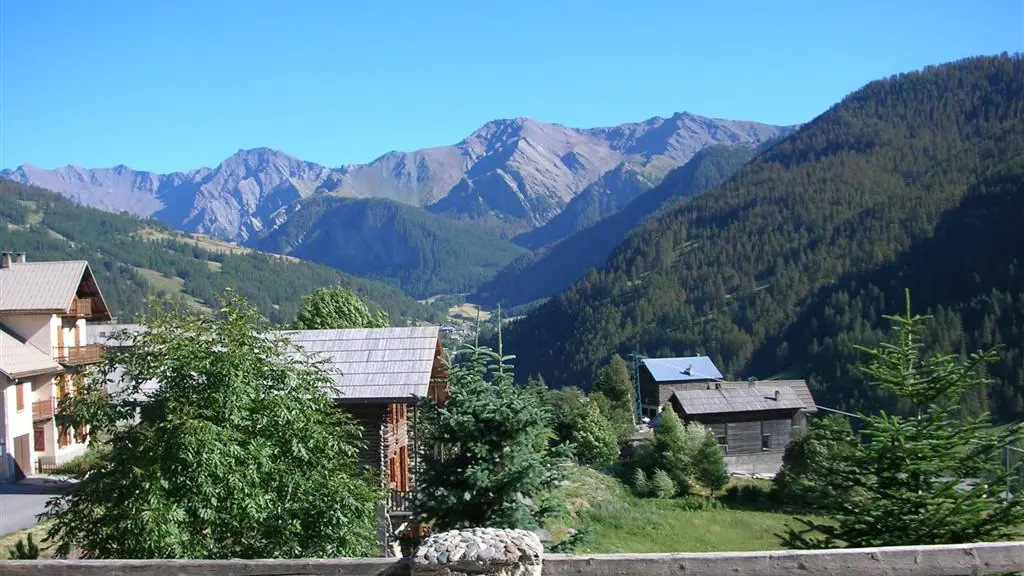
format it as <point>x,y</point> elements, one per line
<point>380,375</point>
<point>753,421</point>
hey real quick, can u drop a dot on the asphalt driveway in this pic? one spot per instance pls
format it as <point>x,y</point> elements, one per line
<point>20,503</point>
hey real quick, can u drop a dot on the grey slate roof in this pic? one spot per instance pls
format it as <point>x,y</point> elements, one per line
<point>367,363</point>
<point>40,286</point>
<point>19,359</point>
<point>740,399</point>
<point>374,363</point>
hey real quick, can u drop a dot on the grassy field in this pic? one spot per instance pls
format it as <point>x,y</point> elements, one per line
<point>616,521</point>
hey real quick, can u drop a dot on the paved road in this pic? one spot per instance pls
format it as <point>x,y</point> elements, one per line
<point>21,502</point>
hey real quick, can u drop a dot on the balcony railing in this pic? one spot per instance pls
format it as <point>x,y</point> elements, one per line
<point>44,409</point>
<point>80,308</point>
<point>79,355</point>
<point>400,502</point>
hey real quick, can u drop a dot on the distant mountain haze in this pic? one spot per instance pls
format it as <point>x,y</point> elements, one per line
<point>507,178</point>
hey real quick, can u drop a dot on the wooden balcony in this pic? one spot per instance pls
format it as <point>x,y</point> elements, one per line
<point>79,355</point>
<point>44,409</point>
<point>400,503</point>
<point>80,308</point>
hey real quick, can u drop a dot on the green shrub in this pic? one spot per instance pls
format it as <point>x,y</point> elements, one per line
<point>709,464</point>
<point>641,487</point>
<point>699,504</point>
<point>662,485</point>
<point>25,550</point>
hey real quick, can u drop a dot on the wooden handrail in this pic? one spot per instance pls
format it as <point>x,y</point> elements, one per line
<point>44,409</point>
<point>79,355</point>
<point>945,560</point>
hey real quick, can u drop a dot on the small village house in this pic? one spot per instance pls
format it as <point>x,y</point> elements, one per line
<point>45,311</point>
<point>753,421</point>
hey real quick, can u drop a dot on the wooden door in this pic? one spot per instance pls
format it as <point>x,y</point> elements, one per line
<point>39,439</point>
<point>22,457</point>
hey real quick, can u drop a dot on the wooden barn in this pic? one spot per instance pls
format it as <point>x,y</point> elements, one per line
<point>753,421</point>
<point>381,374</point>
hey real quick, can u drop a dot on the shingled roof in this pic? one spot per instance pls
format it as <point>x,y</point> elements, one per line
<point>367,364</point>
<point>374,363</point>
<point>47,287</point>
<point>745,399</point>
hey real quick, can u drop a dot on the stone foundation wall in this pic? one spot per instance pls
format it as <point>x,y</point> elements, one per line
<point>766,464</point>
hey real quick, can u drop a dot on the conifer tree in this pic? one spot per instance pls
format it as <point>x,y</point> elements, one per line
<point>709,465</point>
<point>613,390</point>
<point>485,453</point>
<point>668,450</point>
<point>905,480</point>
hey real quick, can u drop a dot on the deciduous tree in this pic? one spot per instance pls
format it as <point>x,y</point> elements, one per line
<point>334,308</point>
<point>223,444</point>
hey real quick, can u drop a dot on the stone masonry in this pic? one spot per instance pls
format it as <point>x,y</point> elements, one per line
<point>479,552</point>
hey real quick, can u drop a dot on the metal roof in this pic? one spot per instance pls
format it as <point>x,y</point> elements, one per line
<point>365,363</point>
<point>374,363</point>
<point>682,369</point>
<point>19,359</point>
<point>42,286</point>
<point>745,399</point>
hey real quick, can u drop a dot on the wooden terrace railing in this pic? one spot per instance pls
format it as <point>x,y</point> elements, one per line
<point>400,502</point>
<point>948,560</point>
<point>44,409</point>
<point>80,308</point>
<point>79,355</point>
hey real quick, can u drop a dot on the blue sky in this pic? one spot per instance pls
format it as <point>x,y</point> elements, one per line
<point>177,85</point>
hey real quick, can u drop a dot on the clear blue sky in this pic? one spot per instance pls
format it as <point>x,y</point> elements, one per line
<point>185,83</point>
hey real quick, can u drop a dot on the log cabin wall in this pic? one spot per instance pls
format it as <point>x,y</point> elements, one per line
<point>371,418</point>
<point>745,432</point>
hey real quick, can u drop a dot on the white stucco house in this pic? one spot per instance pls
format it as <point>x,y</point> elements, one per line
<point>45,310</point>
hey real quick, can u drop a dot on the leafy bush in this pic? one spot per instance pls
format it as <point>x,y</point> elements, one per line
<point>698,504</point>
<point>25,549</point>
<point>662,485</point>
<point>641,487</point>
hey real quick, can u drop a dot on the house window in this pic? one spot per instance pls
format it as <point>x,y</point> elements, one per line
<point>766,441</point>
<point>65,437</point>
<point>723,443</point>
<point>19,396</point>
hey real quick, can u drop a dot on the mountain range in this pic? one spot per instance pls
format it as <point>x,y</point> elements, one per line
<point>507,178</point>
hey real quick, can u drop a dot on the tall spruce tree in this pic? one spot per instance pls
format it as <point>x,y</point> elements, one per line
<point>910,480</point>
<point>485,456</point>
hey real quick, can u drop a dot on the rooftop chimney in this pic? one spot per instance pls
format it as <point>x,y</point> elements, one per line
<point>752,381</point>
<point>778,395</point>
<point>19,257</point>
<point>5,259</point>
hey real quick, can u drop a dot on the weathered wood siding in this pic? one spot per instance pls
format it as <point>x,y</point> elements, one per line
<point>370,417</point>
<point>744,430</point>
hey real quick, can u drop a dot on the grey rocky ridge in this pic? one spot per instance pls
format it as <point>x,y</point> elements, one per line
<point>509,177</point>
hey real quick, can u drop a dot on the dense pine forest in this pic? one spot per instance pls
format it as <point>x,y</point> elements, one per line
<point>547,272</point>
<point>133,258</point>
<point>915,181</point>
<point>415,250</point>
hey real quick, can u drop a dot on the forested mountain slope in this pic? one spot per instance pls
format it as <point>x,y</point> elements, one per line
<point>420,252</point>
<point>133,258</point>
<point>546,272</point>
<point>913,181</point>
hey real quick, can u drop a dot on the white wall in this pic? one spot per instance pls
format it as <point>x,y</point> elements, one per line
<point>19,423</point>
<point>40,330</point>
